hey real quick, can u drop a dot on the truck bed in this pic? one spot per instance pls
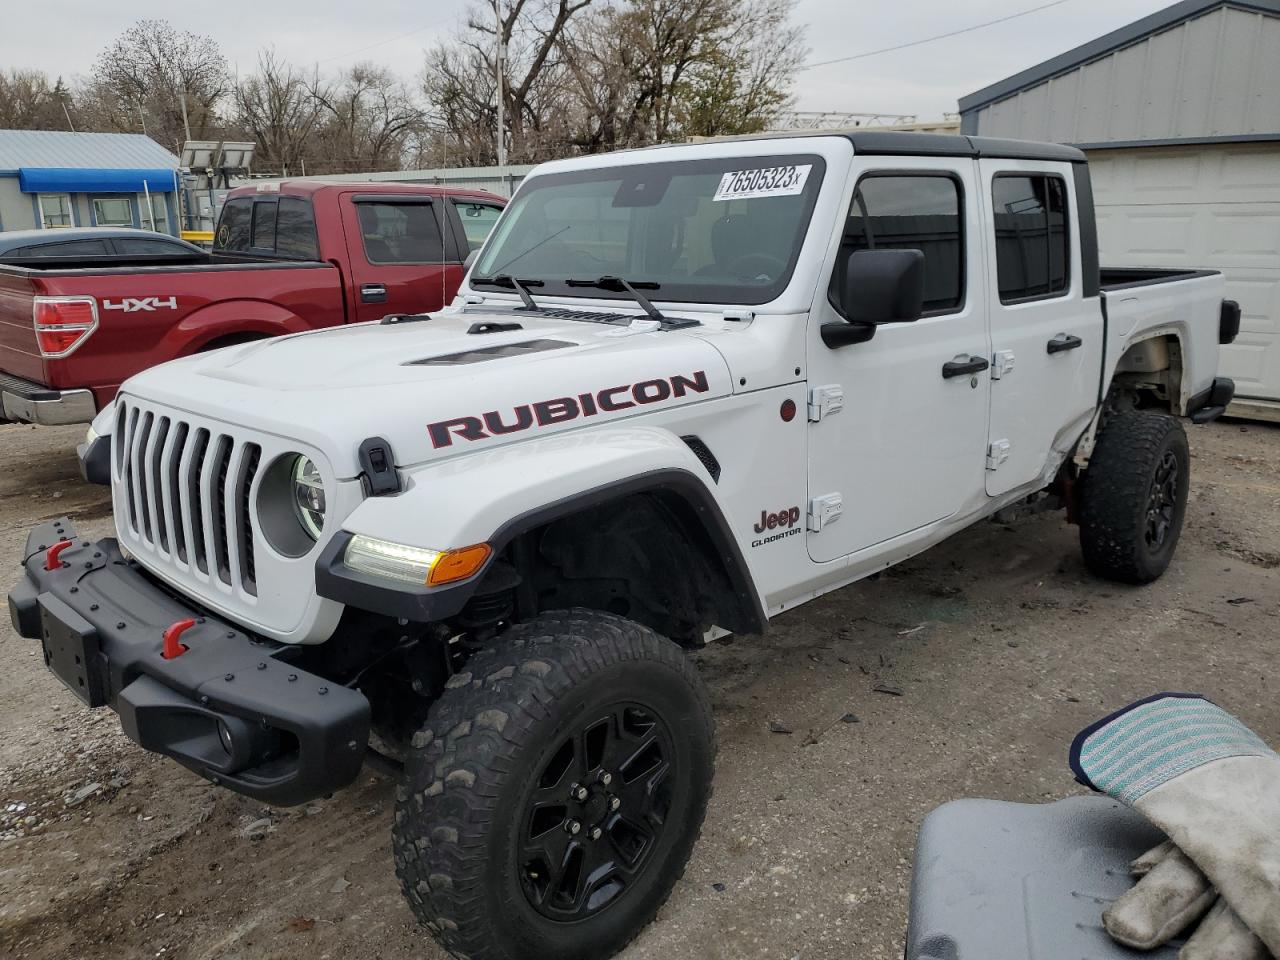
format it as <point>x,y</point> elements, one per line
<point>1143,303</point>
<point>1122,278</point>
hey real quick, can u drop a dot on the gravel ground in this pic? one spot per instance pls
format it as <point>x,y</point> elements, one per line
<point>990,652</point>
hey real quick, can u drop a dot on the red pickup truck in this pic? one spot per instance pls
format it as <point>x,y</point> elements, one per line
<point>287,256</point>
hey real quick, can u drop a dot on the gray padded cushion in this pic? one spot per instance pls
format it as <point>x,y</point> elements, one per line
<point>1017,881</point>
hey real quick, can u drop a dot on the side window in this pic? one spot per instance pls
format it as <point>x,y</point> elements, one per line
<point>263,229</point>
<point>399,232</point>
<point>55,210</point>
<point>145,247</point>
<point>477,220</point>
<point>1032,251</point>
<point>296,230</point>
<point>71,248</point>
<point>113,211</point>
<point>233,226</point>
<point>909,212</point>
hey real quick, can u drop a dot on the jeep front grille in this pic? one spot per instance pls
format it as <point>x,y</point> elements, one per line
<point>186,491</point>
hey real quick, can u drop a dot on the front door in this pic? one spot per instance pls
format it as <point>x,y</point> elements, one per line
<point>907,448</point>
<point>402,261</point>
<point>1046,334</point>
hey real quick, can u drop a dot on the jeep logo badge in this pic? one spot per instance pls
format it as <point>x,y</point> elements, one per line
<point>784,520</point>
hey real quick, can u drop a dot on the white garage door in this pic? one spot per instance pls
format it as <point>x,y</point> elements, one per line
<point>1209,206</point>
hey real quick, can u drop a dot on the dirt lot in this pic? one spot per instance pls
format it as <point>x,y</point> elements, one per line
<point>997,647</point>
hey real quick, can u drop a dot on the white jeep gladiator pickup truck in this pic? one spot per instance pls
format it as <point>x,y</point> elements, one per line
<point>682,391</point>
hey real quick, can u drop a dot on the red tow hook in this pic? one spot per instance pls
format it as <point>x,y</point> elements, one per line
<point>51,561</point>
<point>173,647</point>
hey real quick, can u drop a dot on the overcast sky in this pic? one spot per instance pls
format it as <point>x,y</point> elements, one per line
<point>925,80</point>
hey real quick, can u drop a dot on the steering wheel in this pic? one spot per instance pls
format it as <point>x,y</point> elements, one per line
<point>756,265</point>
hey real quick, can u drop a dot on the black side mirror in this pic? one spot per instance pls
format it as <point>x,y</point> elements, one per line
<point>878,286</point>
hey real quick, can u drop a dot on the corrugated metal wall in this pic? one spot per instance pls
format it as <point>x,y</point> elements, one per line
<point>1213,76</point>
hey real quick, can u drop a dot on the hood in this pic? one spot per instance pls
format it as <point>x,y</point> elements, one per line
<point>434,388</point>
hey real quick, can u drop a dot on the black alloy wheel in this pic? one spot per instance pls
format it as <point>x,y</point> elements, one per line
<point>596,812</point>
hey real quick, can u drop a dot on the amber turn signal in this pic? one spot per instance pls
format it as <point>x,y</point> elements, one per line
<point>455,565</point>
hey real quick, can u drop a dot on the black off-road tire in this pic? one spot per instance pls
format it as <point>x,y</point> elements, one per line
<point>475,770</point>
<point>1119,492</point>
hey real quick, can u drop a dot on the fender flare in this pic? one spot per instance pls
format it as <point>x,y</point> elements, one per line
<point>646,461</point>
<point>229,318</point>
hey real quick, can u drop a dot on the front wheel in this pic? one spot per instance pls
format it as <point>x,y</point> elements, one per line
<point>554,796</point>
<point>1134,497</point>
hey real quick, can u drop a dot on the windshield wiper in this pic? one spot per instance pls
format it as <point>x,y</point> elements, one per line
<point>618,285</point>
<point>519,284</point>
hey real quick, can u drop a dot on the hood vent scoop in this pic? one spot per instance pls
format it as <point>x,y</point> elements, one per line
<point>497,352</point>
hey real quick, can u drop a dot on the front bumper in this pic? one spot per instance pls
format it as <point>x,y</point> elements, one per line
<point>30,402</point>
<point>232,708</point>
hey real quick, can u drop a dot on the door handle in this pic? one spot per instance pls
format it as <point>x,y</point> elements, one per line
<point>960,368</point>
<point>1063,342</point>
<point>373,293</point>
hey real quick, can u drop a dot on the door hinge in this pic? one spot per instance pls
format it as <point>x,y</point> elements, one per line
<point>997,453</point>
<point>824,510</point>
<point>826,399</point>
<point>1001,364</point>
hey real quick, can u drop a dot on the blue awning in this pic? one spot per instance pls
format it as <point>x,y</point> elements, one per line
<point>91,180</point>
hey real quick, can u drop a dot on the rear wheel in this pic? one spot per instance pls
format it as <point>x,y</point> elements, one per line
<point>1134,497</point>
<point>554,796</point>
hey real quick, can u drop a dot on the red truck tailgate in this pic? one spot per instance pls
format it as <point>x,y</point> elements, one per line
<point>19,355</point>
<point>148,315</point>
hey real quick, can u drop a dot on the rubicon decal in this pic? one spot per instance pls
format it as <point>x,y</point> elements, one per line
<point>545,413</point>
<point>136,304</point>
<point>784,520</point>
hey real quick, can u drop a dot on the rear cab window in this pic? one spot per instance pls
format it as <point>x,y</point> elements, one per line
<point>282,228</point>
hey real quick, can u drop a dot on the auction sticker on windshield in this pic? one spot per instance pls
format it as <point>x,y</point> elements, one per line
<point>763,182</point>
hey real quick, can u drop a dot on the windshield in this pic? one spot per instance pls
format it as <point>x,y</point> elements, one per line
<point>699,231</point>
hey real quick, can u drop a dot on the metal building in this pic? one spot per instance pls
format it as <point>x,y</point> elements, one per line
<point>53,178</point>
<point>1180,115</point>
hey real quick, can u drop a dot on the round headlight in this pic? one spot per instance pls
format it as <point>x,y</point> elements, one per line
<point>308,496</point>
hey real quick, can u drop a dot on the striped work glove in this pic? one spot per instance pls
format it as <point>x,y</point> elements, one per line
<point>1213,786</point>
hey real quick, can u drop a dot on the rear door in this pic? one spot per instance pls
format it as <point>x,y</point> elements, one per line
<point>402,259</point>
<point>1046,335</point>
<point>905,449</point>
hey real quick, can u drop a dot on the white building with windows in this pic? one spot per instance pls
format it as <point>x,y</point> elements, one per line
<point>53,178</point>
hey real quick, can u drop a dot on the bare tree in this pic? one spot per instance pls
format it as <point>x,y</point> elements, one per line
<point>368,121</point>
<point>29,102</point>
<point>281,110</point>
<point>160,73</point>
<point>623,73</point>
<point>459,79</point>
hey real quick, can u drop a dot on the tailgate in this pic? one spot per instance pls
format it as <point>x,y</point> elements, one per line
<point>147,315</point>
<point>19,355</point>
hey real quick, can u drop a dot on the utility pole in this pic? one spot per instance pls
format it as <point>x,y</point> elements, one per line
<point>186,125</point>
<point>502,133</point>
